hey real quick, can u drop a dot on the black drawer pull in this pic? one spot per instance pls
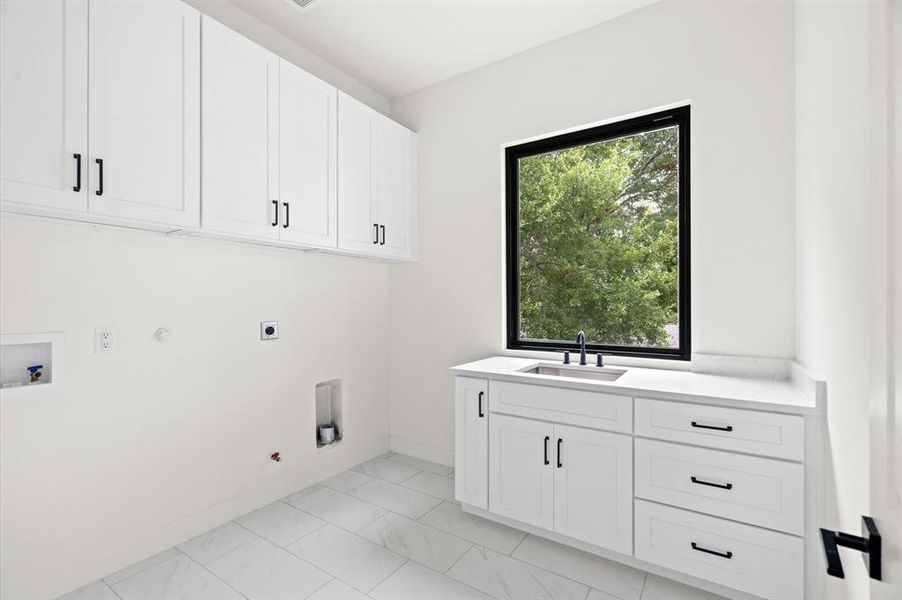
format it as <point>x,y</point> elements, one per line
<point>275,213</point>
<point>376,227</point>
<point>99,162</point>
<point>559,462</point>
<point>285,224</point>
<point>715,427</point>
<point>382,227</point>
<point>547,439</point>
<point>714,552</point>
<point>481,413</point>
<point>77,187</point>
<point>723,486</point>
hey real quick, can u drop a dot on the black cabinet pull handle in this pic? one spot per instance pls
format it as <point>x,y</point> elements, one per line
<point>714,552</point>
<point>285,224</point>
<point>275,213</point>
<point>547,439</point>
<point>376,227</point>
<point>382,227</point>
<point>481,413</point>
<point>77,187</point>
<point>559,463</point>
<point>715,427</point>
<point>723,486</point>
<point>99,162</point>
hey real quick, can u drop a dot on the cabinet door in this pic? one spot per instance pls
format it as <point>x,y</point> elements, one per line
<point>240,134</point>
<point>471,441</point>
<point>44,102</point>
<point>357,227</point>
<point>593,487</point>
<point>144,77</point>
<point>395,166</point>
<point>307,158</point>
<point>521,472</point>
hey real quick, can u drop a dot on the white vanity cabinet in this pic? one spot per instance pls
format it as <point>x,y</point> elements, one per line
<point>570,480</point>
<point>713,492</point>
<point>123,77</point>
<point>471,434</point>
<point>593,487</point>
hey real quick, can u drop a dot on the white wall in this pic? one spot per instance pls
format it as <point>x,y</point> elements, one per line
<point>841,242</point>
<point>158,442</point>
<point>732,60</point>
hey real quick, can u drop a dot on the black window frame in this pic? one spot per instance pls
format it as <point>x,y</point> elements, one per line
<point>678,116</point>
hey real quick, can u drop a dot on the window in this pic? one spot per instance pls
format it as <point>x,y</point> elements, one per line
<point>598,239</point>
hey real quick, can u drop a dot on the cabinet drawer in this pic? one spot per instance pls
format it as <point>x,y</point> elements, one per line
<point>760,491</point>
<point>746,558</point>
<point>571,407</point>
<point>769,434</point>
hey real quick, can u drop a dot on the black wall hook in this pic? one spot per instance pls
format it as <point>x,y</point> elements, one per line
<point>869,545</point>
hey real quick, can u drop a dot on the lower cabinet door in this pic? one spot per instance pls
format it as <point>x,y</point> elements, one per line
<point>471,441</point>
<point>521,470</point>
<point>593,487</point>
<point>754,560</point>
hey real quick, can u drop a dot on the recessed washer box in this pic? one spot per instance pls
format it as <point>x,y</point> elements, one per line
<point>19,351</point>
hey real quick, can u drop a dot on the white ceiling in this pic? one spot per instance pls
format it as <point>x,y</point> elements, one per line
<point>399,46</point>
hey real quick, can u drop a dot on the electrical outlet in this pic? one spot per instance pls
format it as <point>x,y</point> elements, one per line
<point>269,330</point>
<point>104,340</point>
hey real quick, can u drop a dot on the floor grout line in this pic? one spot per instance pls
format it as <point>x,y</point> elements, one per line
<point>522,539</point>
<point>406,560</point>
<point>204,567</point>
<point>324,585</point>
<point>644,583</point>
<point>109,587</point>
<point>459,558</point>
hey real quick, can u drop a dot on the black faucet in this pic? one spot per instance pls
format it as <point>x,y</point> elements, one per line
<point>581,340</point>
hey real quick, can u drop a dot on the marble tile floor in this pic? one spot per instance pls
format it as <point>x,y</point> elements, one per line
<point>387,529</point>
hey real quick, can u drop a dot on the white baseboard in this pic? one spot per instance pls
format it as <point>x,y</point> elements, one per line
<point>442,455</point>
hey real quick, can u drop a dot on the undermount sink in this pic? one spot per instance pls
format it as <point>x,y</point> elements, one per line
<point>596,373</point>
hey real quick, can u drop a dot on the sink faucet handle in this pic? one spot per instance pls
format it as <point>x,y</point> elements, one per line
<point>566,357</point>
<point>599,360</point>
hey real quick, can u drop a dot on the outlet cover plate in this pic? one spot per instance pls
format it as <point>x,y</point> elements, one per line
<point>104,340</point>
<point>269,330</point>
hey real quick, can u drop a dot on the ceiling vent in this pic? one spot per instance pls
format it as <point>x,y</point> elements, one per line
<point>303,3</point>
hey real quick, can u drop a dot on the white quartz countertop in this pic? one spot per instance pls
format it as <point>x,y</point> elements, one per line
<point>780,395</point>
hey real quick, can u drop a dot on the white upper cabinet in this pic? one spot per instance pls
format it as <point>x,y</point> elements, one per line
<point>240,134</point>
<point>144,76</point>
<point>44,103</point>
<point>307,158</point>
<point>376,182</point>
<point>395,188</point>
<point>143,79</point>
<point>357,226</point>
<point>145,113</point>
